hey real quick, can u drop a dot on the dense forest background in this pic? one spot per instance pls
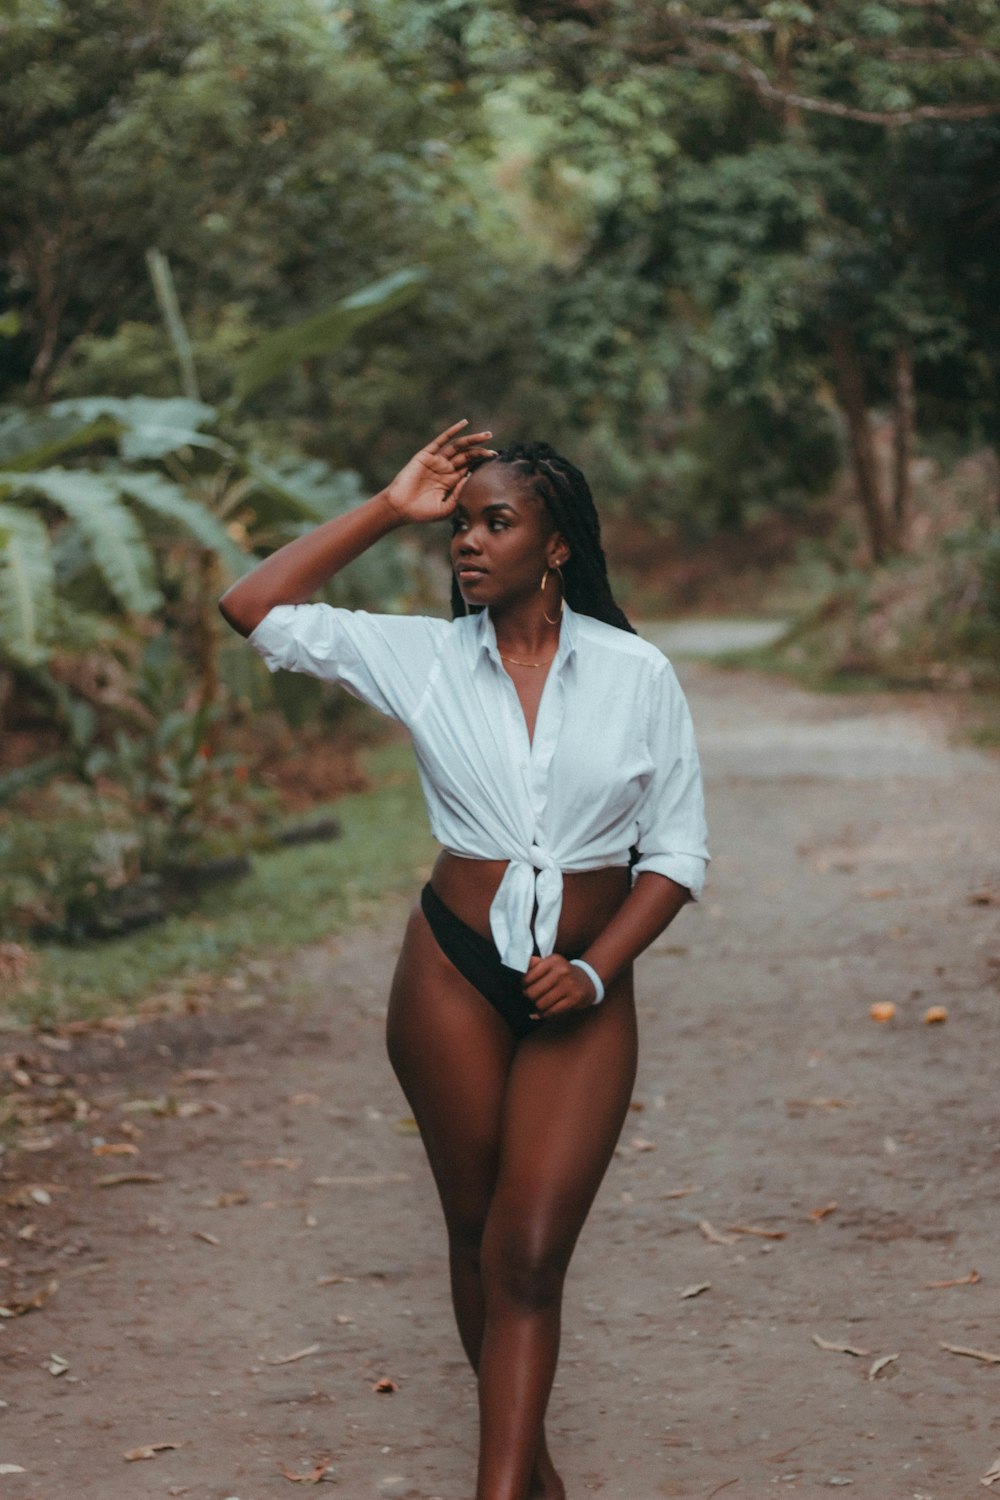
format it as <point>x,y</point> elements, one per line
<point>739,260</point>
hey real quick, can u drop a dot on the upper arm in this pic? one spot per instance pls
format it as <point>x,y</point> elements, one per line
<point>385,660</point>
<point>672,836</point>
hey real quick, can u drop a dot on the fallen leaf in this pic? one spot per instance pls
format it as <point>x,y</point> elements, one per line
<point>147,1450</point>
<point>712,1235</point>
<point>969,1280</point>
<point>115,1148</point>
<point>639,1143</point>
<point>229,1200</point>
<point>198,1075</point>
<point>839,1348</point>
<point>407,1125</point>
<point>879,892</point>
<point>880,1364</point>
<point>56,1365</point>
<point>30,1304</point>
<point>683,1192</point>
<point>882,1011</point>
<point>385,1386</point>
<point>188,1108</point>
<point>12,1469</point>
<point>289,1163</point>
<point>820,1213</point>
<point>344,1318</point>
<point>987,1358</point>
<point>765,1234</point>
<point>983,897</point>
<point>371,1179</point>
<point>120,1179</point>
<point>36,1143</point>
<point>290,1359</point>
<point>203,1234</point>
<point>696,1290</point>
<point>935,1015</point>
<point>820,1102</point>
<point>320,1467</point>
<point>31,1193</point>
<point>303,1099</point>
<point>991,1476</point>
<point>333,1280</point>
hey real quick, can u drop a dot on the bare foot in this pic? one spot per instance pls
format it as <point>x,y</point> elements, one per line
<point>545,1483</point>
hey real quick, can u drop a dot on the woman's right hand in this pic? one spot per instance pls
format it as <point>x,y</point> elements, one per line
<point>428,487</point>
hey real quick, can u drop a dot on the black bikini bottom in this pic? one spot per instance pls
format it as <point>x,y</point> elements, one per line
<point>477,960</point>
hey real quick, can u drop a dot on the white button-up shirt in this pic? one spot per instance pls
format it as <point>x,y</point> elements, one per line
<point>612,763</point>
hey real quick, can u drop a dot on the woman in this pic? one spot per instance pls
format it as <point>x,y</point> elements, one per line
<point>551,742</point>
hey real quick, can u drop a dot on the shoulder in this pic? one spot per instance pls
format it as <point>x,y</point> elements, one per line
<point>631,652</point>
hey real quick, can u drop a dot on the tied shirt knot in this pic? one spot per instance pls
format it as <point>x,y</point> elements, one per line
<point>532,887</point>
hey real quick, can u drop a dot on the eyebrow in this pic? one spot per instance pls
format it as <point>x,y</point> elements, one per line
<point>493,506</point>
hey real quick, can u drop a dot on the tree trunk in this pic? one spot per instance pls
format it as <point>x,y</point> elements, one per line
<point>851,389</point>
<point>902,445</point>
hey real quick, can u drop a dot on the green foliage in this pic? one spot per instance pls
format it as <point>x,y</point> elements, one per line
<point>292,896</point>
<point>323,333</point>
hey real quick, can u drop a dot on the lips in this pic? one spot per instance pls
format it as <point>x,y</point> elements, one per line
<point>469,574</point>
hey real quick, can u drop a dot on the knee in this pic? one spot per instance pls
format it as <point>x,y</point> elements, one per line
<point>529,1273</point>
<point>465,1238</point>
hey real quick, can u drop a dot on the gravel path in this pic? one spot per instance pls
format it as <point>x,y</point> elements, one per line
<point>289,1255</point>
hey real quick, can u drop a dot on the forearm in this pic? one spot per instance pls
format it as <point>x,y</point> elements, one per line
<point>294,573</point>
<point>647,910</point>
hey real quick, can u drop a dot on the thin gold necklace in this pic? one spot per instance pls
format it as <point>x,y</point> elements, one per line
<point>516,663</point>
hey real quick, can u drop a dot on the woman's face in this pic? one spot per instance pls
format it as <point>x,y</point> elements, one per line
<point>502,538</point>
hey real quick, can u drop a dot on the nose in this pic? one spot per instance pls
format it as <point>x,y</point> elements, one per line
<point>467,543</point>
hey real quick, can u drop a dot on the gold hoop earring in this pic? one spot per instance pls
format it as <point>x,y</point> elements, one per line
<point>562,594</point>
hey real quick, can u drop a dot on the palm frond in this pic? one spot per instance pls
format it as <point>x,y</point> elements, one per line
<point>27,584</point>
<point>169,500</point>
<point>112,532</point>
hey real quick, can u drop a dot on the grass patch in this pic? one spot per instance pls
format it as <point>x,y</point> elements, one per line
<point>292,897</point>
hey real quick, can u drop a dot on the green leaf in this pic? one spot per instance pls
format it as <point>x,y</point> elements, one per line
<point>310,489</point>
<point>29,439</point>
<point>149,426</point>
<point>277,353</point>
<point>169,500</point>
<point>27,585</point>
<point>113,534</point>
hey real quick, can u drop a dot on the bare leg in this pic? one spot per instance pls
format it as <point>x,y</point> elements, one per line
<point>566,1099</point>
<point>452,1055</point>
<point>518,1138</point>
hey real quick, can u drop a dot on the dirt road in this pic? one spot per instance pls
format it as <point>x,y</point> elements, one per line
<point>289,1256</point>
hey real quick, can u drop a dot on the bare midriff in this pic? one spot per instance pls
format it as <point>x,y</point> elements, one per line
<point>590,897</point>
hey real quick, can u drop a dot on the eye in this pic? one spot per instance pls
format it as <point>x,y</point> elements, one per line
<point>497,525</point>
<point>457,525</point>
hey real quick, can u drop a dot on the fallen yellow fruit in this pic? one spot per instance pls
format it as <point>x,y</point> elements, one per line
<point>935,1015</point>
<point>882,1010</point>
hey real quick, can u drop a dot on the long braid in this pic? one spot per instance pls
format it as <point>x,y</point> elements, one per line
<point>566,496</point>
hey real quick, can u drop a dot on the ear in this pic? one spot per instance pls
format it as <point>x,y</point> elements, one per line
<point>558,552</point>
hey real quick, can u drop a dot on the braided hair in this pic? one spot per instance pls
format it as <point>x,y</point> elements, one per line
<point>566,496</point>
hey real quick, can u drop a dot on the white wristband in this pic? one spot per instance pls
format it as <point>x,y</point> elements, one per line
<point>594,977</point>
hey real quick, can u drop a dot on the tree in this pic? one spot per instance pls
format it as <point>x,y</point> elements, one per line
<point>765,171</point>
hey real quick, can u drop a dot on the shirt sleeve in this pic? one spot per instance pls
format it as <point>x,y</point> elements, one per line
<point>672,837</point>
<point>385,660</point>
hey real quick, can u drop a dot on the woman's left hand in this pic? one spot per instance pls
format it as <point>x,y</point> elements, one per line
<point>555,986</point>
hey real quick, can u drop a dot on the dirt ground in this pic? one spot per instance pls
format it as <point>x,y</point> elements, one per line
<point>240,1308</point>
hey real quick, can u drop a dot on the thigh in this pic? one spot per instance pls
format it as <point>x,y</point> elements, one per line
<point>451,1052</point>
<point>567,1097</point>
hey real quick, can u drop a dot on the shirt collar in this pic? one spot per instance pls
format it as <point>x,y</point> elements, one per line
<point>486,638</point>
